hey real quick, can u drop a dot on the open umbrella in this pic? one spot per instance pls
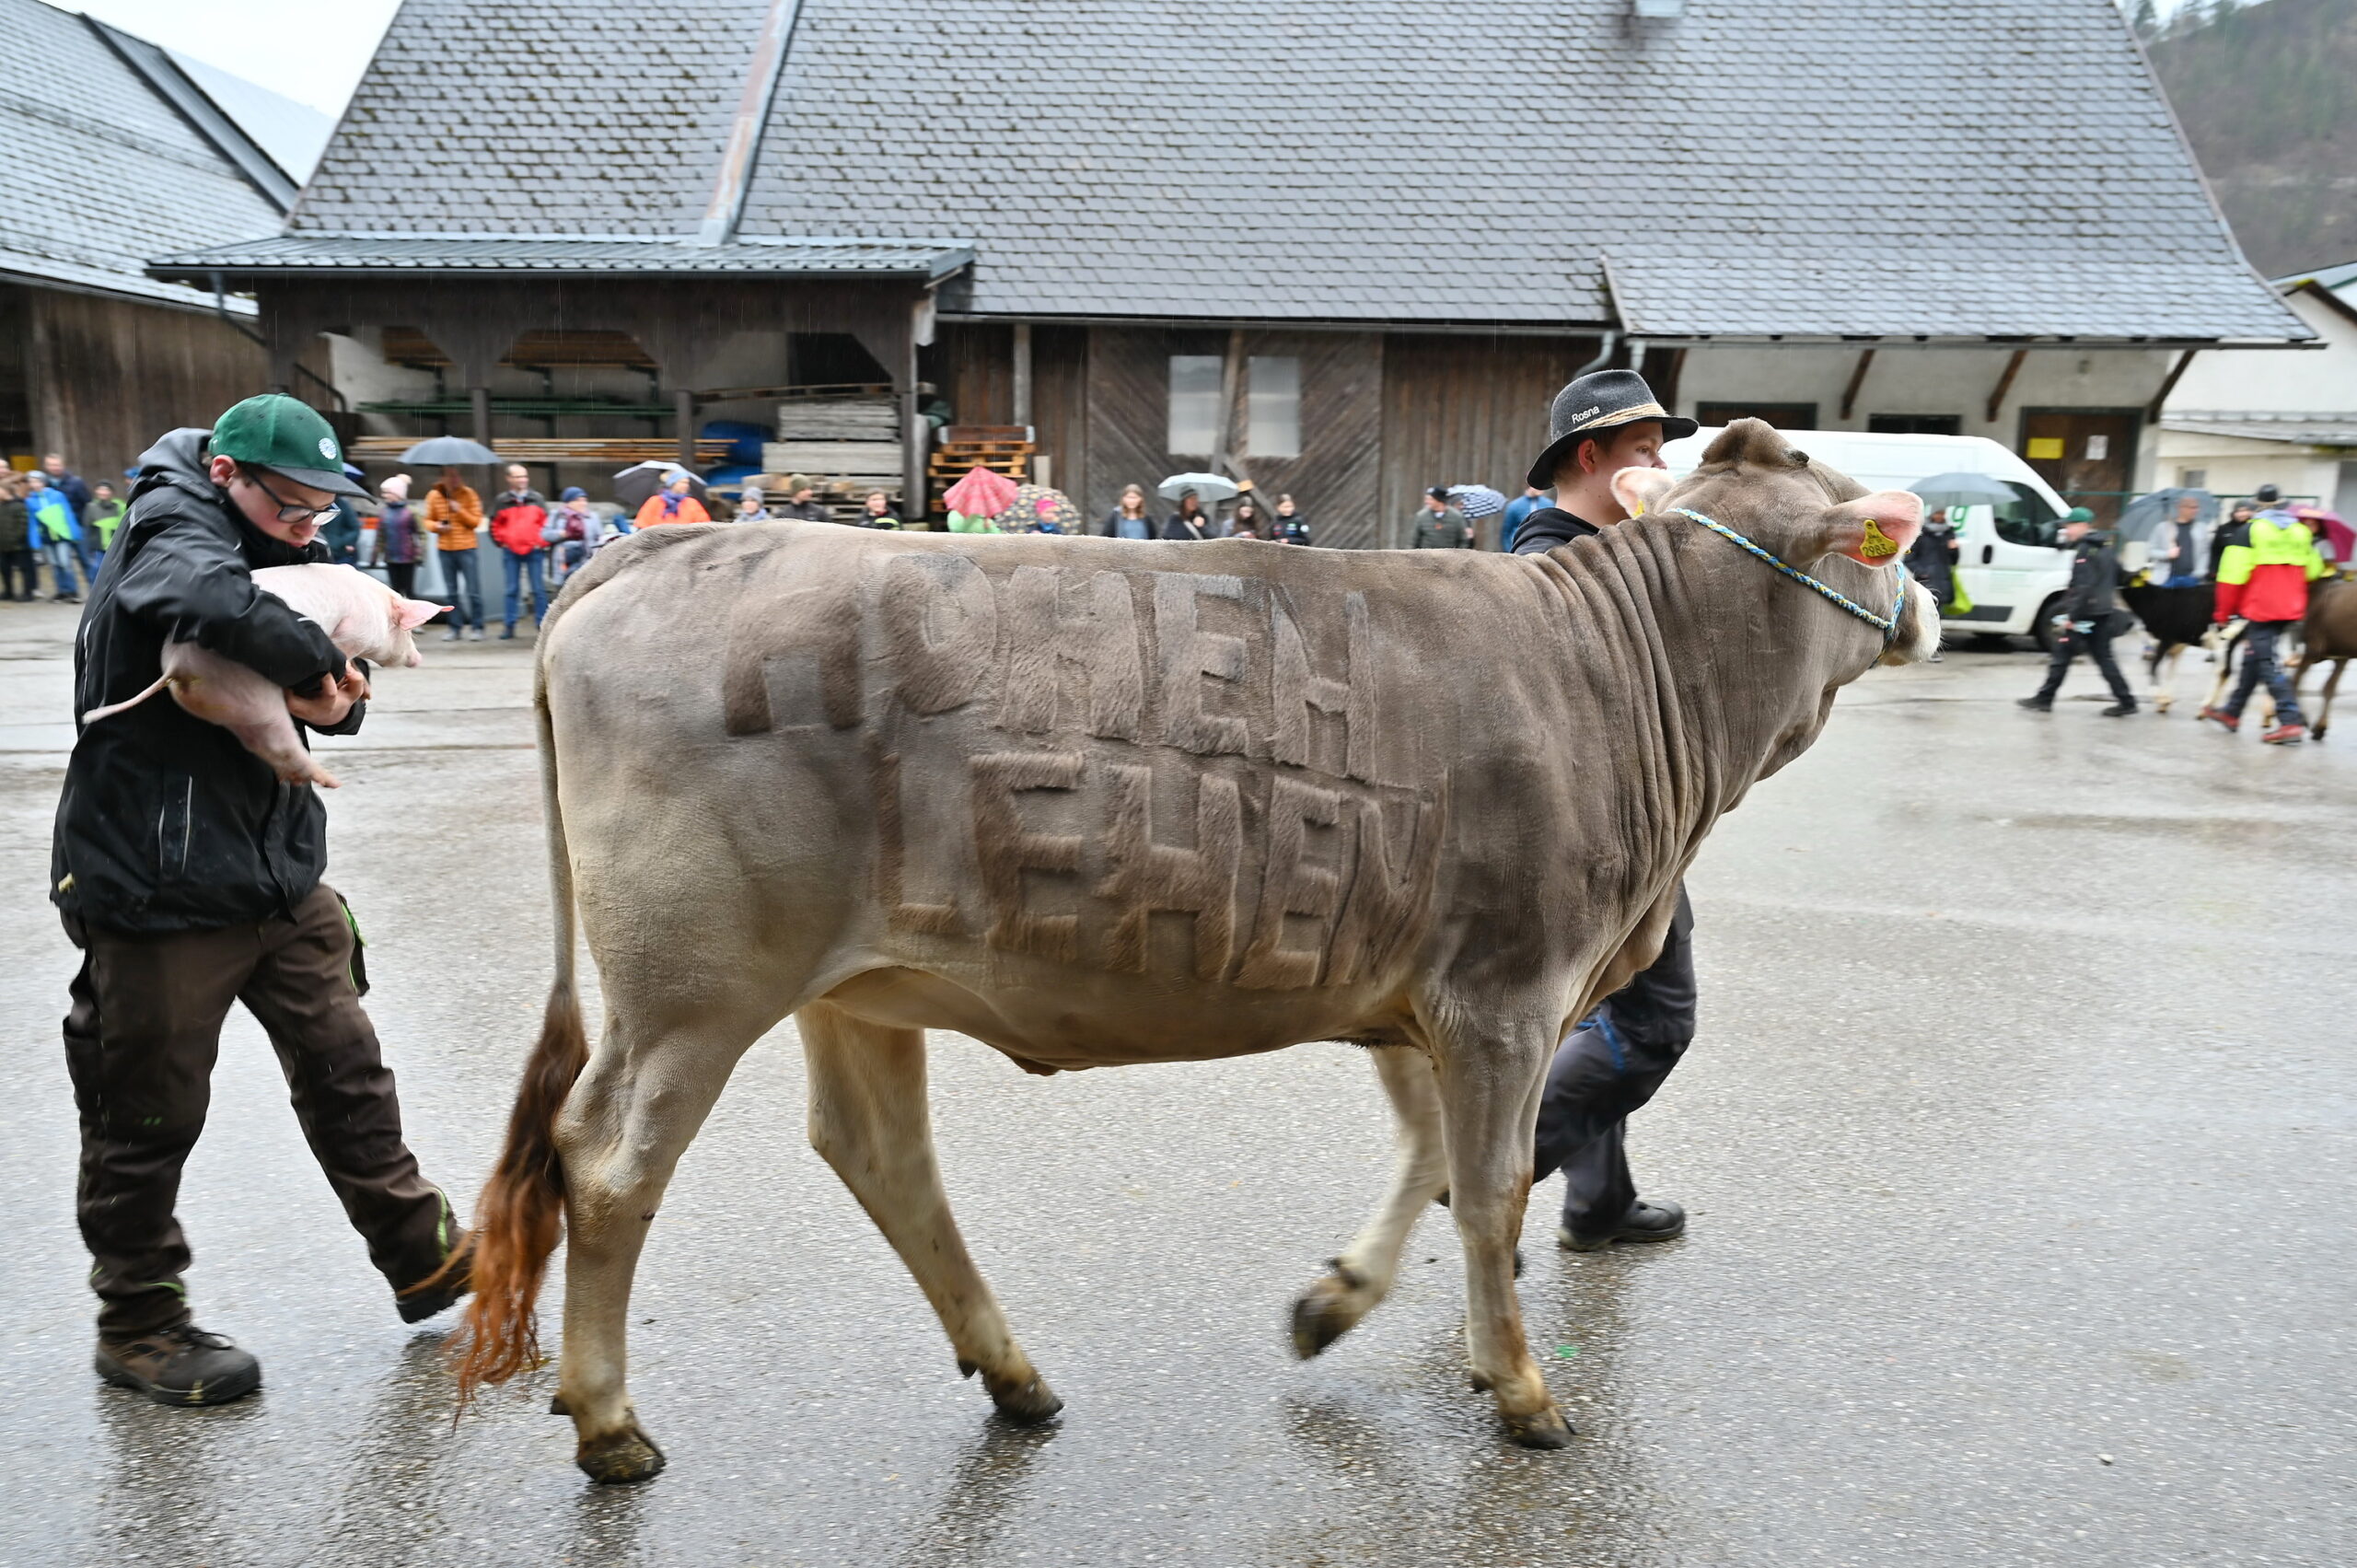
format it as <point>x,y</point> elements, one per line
<point>1477,500</point>
<point>2339,535</point>
<point>981,493</point>
<point>1965,490</point>
<point>1037,504</point>
<point>450,451</point>
<point>1209,488</point>
<point>635,483</point>
<point>2143,516</point>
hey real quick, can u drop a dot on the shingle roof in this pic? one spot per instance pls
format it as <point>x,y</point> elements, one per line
<point>1828,168</point>
<point>101,172</point>
<point>625,254</point>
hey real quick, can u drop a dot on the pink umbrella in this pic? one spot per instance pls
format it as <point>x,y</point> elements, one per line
<point>2339,535</point>
<point>981,493</point>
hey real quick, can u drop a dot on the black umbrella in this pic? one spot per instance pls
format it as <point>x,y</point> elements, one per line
<point>634,484</point>
<point>449,451</point>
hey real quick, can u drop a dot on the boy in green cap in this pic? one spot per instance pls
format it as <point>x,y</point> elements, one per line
<point>190,878</point>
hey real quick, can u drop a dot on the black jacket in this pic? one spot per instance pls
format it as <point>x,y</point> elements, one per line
<point>1932,561</point>
<point>1204,528</point>
<point>1548,527</point>
<point>2094,593</point>
<point>166,824</point>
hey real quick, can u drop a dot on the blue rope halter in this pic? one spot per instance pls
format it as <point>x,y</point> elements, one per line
<point>1888,625</point>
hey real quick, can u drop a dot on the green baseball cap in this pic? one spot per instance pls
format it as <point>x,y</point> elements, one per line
<point>2075,515</point>
<point>285,436</point>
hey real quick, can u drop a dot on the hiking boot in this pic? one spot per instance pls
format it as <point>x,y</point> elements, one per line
<point>2285,735</point>
<point>2120,711</point>
<point>1643,1222</point>
<point>508,636</point>
<point>416,1306</point>
<point>2225,721</point>
<point>179,1365</point>
<point>2035,704</point>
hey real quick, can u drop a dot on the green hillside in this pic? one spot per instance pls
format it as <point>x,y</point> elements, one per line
<point>2269,97</point>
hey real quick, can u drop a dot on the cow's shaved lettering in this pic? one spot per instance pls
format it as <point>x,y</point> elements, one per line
<point>1066,633</point>
<point>1292,886</point>
<point>1007,850</point>
<point>1190,656</point>
<point>1143,878</point>
<point>939,623</point>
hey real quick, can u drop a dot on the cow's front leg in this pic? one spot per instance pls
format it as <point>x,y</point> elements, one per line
<point>869,1119</point>
<point>1363,1275</point>
<point>1490,1086</point>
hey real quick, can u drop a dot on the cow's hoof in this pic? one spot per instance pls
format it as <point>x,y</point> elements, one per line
<point>1328,1310</point>
<point>557,1405</point>
<point>1543,1428</point>
<point>619,1459</point>
<point>1027,1403</point>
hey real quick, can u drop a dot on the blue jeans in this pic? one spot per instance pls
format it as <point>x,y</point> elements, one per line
<point>465,587</point>
<point>61,556</point>
<point>520,569</point>
<point>2260,664</point>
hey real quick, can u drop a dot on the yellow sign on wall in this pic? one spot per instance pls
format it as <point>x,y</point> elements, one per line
<point>2045,449</point>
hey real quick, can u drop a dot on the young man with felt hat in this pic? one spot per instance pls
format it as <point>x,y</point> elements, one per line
<point>1614,1061</point>
<point>190,878</point>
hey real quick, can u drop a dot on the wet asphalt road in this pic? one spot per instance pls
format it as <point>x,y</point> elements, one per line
<point>2019,1141</point>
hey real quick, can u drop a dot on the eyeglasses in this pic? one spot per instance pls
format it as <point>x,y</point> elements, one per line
<point>290,513</point>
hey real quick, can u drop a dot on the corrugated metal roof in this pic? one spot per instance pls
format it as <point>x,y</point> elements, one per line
<point>2302,429</point>
<point>626,254</point>
<point>1868,168</point>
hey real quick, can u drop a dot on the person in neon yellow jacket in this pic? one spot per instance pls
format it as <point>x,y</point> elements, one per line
<point>2266,582</point>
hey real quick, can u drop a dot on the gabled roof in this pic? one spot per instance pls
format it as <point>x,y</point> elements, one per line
<point>1806,169</point>
<point>612,254</point>
<point>105,168</point>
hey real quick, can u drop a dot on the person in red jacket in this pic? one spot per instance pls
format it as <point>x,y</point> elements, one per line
<point>2265,581</point>
<point>516,519</point>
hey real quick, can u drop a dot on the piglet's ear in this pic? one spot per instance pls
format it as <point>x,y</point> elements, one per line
<point>413,613</point>
<point>1640,491</point>
<point>1875,530</point>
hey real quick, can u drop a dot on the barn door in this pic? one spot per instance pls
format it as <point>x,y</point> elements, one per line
<point>2087,454</point>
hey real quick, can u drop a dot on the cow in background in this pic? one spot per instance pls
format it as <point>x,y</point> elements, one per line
<point>2328,635</point>
<point>1095,802</point>
<point>2178,619</point>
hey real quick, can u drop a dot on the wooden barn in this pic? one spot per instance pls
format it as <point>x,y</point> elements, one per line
<point>1301,242</point>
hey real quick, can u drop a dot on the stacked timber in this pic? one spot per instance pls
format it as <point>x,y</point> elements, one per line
<point>842,443</point>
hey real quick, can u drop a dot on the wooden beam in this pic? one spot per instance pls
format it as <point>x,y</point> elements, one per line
<point>1231,376</point>
<point>2005,383</point>
<point>1022,373</point>
<point>2168,384</point>
<point>683,411</point>
<point>1857,379</point>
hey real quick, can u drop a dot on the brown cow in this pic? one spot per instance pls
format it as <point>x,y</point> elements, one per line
<point>1093,802</point>
<point>2328,635</point>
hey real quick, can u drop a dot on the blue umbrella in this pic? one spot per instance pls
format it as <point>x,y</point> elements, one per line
<point>1478,500</point>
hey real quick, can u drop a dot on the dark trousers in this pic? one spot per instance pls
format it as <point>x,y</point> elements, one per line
<point>1607,1067</point>
<point>404,578</point>
<point>459,570</point>
<point>14,564</point>
<point>140,1045</point>
<point>2261,662</point>
<point>2095,645</point>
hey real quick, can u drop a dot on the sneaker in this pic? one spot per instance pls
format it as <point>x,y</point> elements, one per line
<point>451,635</point>
<point>1643,1222</point>
<point>181,1365</point>
<point>417,1303</point>
<point>2285,735</point>
<point>2120,711</point>
<point>475,633</point>
<point>2226,721</point>
<point>2035,704</point>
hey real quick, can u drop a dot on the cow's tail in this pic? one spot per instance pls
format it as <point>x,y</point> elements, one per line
<point>521,1212</point>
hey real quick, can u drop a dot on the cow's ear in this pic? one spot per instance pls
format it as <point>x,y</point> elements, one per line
<point>1875,530</point>
<point>413,613</point>
<point>1638,490</point>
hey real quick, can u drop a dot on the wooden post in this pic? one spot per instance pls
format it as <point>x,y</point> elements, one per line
<point>683,403</point>
<point>1857,379</point>
<point>2005,383</point>
<point>1022,373</point>
<point>479,407</point>
<point>916,501</point>
<point>1231,376</point>
<point>2153,411</point>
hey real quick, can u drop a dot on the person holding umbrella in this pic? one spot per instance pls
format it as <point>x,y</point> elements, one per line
<point>1188,521</point>
<point>453,513</point>
<point>675,503</point>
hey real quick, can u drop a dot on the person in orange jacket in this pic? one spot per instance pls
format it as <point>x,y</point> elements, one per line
<point>516,526</point>
<point>673,504</point>
<point>2266,581</point>
<point>453,513</point>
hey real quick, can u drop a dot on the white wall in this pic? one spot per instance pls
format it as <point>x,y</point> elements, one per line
<point>2276,381</point>
<point>2232,466</point>
<point>1933,380</point>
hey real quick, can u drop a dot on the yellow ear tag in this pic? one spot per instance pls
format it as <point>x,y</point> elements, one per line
<point>1878,543</point>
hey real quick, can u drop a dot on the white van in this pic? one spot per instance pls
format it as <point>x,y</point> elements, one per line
<point>2010,559</point>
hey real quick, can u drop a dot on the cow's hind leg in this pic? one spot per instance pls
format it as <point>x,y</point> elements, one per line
<point>2161,669</point>
<point>869,1119</point>
<point>637,1105</point>
<point>2324,698</point>
<point>1491,1078</point>
<point>1364,1275</point>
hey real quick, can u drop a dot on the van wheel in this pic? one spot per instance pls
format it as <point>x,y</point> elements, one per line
<point>2041,630</point>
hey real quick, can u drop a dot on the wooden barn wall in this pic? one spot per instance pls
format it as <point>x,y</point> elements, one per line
<point>1059,405</point>
<point>1466,409</point>
<point>1333,480</point>
<point>974,367</point>
<point>108,376</point>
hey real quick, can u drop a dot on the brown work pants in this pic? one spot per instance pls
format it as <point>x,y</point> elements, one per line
<point>139,1042</point>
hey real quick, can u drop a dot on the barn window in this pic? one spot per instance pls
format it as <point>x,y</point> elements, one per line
<point>1272,408</point>
<point>1194,403</point>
